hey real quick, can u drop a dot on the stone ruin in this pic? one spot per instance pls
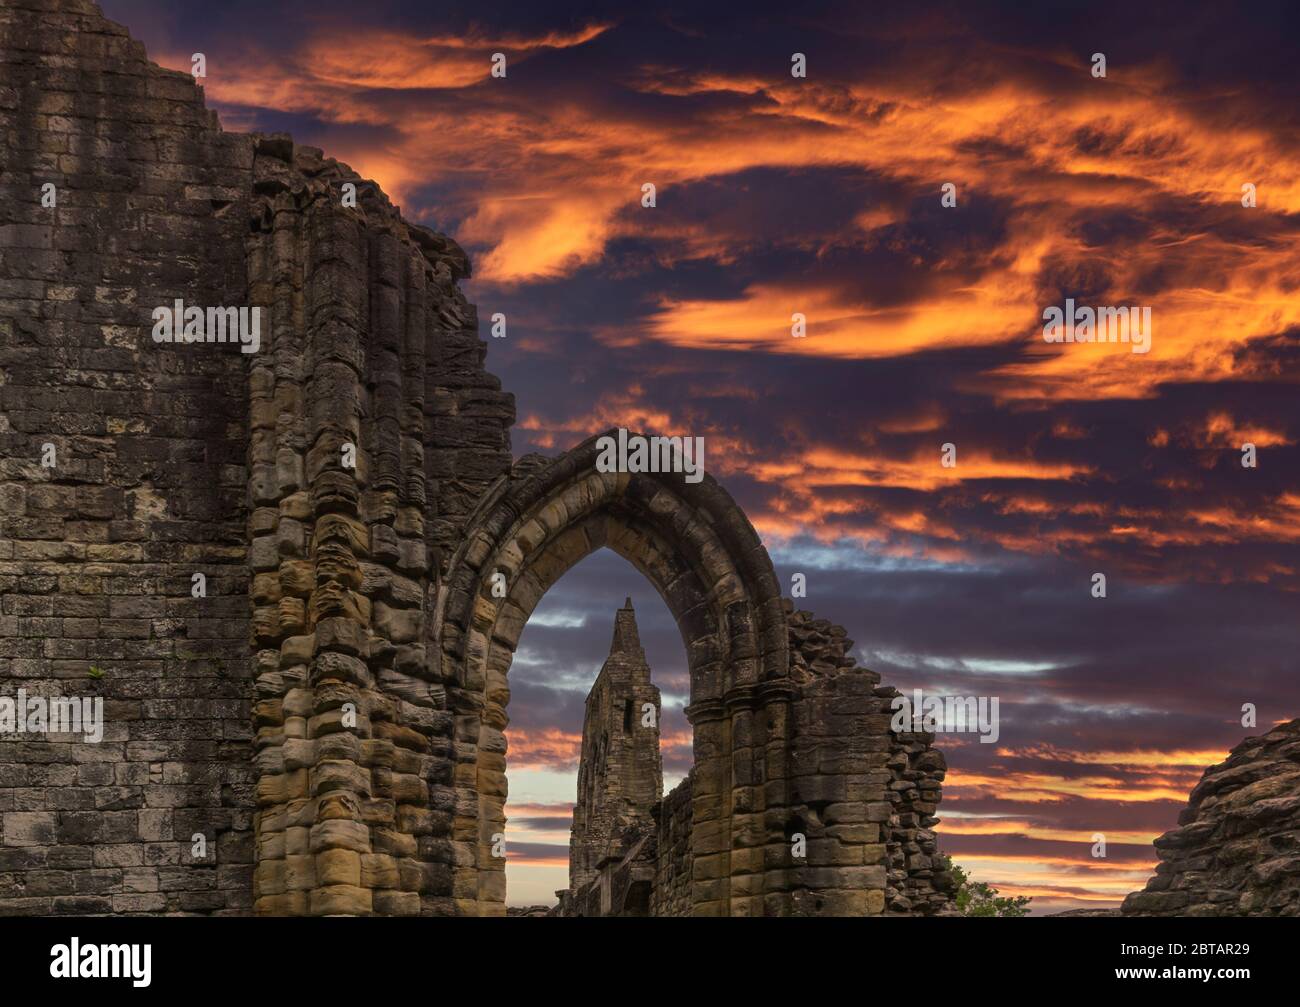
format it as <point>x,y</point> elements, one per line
<point>630,850</point>
<point>328,713</point>
<point>1236,850</point>
<point>613,848</point>
<point>296,578</point>
<point>620,772</point>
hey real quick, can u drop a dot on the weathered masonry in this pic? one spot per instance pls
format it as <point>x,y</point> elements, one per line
<point>620,771</point>
<point>631,851</point>
<point>326,708</point>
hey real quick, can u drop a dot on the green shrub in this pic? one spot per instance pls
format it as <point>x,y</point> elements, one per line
<point>978,898</point>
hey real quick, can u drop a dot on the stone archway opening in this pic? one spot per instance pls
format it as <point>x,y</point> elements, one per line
<point>597,734</point>
<point>695,546</point>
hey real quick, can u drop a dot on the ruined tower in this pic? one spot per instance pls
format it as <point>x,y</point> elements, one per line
<point>620,776</point>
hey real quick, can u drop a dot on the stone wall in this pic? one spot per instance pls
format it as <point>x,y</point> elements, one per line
<point>173,460</point>
<point>146,483</point>
<point>862,794</point>
<point>672,890</point>
<point>918,882</point>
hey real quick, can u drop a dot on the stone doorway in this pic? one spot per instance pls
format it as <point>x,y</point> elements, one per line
<point>694,544</point>
<point>598,738</point>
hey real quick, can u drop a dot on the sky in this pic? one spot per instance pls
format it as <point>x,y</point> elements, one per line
<point>821,195</point>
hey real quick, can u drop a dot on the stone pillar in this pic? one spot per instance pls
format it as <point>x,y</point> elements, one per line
<point>354,736</point>
<point>281,586</point>
<point>745,864</point>
<point>339,674</point>
<point>711,809</point>
<point>775,755</point>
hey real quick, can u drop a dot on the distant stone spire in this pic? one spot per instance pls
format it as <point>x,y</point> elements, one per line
<point>626,638</point>
<point>620,772</point>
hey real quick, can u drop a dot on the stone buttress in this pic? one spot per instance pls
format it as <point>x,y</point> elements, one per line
<point>368,398</point>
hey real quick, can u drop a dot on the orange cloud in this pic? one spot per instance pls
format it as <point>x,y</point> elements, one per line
<point>1038,788</point>
<point>762,319</point>
<point>558,180</point>
<point>1193,759</point>
<point>960,826</point>
<point>824,466</point>
<point>545,748</point>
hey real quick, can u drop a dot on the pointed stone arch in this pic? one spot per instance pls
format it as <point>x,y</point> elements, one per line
<point>695,545</point>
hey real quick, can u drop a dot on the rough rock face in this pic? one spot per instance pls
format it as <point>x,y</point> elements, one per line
<point>1236,851</point>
